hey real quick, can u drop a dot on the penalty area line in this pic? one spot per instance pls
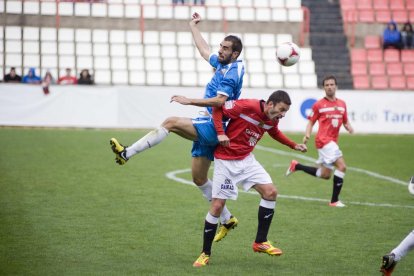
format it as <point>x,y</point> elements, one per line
<point>173,176</point>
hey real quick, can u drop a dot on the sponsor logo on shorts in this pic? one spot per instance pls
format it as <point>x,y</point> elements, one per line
<point>228,185</point>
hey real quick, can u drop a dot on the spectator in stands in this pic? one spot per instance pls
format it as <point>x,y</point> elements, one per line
<point>48,79</point>
<point>31,77</point>
<point>85,77</point>
<point>407,36</point>
<point>391,36</point>
<point>202,2</point>
<point>175,2</point>
<point>68,78</point>
<point>12,76</point>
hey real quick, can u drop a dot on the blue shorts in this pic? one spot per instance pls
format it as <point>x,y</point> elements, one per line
<point>207,138</point>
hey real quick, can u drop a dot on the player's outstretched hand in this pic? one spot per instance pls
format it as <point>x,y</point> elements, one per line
<point>223,140</point>
<point>180,99</point>
<point>301,148</point>
<point>195,18</point>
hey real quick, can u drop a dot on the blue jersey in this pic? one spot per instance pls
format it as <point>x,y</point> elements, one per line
<point>227,80</point>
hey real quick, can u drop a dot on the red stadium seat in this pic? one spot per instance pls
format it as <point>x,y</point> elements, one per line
<point>410,83</point>
<point>397,5</point>
<point>358,55</point>
<point>394,69</point>
<point>364,4</point>
<point>391,55</point>
<point>397,82</point>
<point>350,16</point>
<point>379,82</point>
<point>383,16</point>
<point>377,69</point>
<point>366,16</point>
<point>372,42</point>
<point>374,55</point>
<point>358,68</point>
<point>400,16</point>
<point>409,5</point>
<point>361,82</point>
<point>348,5</point>
<point>409,69</point>
<point>381,5</point>
<point>407,55</point>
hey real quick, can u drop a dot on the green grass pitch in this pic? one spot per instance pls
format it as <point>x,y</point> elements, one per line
<point>66,208</point>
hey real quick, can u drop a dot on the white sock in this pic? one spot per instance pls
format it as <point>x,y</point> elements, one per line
<point>206,189</point>
<point>269,204</point>
<point>318,172</point>
<point>153,138</point>
<point>225,215</point>
<point>406,245</point>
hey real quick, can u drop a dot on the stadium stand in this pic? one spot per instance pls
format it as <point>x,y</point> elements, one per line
<point>385,68</point>
<point>327,39</point>
<point>147,52</point>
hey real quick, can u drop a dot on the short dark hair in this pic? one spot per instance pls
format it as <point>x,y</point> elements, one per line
<point>279,96</point>
<point>237,45</point>
<point>330,77</point>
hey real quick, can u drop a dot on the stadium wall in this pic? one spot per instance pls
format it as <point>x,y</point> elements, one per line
<point>147,107</point>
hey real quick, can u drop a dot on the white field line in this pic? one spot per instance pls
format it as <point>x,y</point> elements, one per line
<point>173,176</point>
<point>310,159</point>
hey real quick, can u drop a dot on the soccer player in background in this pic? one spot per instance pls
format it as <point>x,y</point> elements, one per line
<point>225,85</point>
<point>235,164</point>
<point>331,114</point>
<point>390,260</point>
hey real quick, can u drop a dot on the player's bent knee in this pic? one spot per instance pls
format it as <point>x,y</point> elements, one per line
<point>199,181</point>
<point>342,169</point>
<point>170,123</point>
<point>270,193</point>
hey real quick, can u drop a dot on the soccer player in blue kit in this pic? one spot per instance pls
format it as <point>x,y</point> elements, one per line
<point>226,84</point>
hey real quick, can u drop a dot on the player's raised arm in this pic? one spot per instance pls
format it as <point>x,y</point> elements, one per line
<point>199,41</point>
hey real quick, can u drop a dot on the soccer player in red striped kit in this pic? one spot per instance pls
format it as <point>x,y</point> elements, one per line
<point>331,113</point>
<point>235,164</point>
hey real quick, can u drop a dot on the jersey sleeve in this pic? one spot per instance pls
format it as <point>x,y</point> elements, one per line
<point>218,120</point>
<point>314,115</point>
<point>213,59</point>
<point>345,118</point>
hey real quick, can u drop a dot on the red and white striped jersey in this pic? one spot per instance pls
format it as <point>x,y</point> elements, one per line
<point>246,127</point>
<point>330,116</point>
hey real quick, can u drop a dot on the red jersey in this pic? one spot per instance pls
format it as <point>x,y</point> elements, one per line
<point>330,116</point>
<point>67,80</point>
<point>246,127</point>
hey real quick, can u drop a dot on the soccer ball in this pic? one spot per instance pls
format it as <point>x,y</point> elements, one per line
<point>287,54</point>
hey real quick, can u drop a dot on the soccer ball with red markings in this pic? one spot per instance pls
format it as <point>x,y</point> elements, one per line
<point>287,54</point>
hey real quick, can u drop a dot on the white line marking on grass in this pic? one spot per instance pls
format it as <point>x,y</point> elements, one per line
<point>310,159</point>
<point>173,176</point>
